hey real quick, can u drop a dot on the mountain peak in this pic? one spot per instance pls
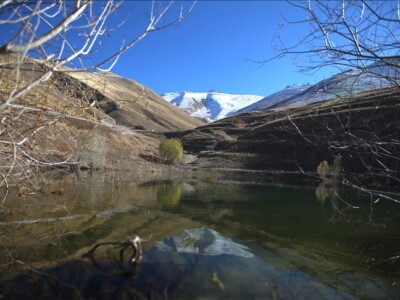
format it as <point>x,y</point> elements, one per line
<point>211,105</point>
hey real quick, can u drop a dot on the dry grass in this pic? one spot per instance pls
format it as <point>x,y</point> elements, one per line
<point>61,122</point>
<point>138,105</point>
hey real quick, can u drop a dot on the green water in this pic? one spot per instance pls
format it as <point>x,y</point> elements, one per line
<point>205,240</point>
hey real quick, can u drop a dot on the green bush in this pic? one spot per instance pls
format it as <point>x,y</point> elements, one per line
<point>171,150</point>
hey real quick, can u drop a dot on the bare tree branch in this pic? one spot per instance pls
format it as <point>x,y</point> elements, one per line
<point>346,34</point>
<point>40,45</point>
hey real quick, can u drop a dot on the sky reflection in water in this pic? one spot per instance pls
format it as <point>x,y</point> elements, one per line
<point>222,241</point>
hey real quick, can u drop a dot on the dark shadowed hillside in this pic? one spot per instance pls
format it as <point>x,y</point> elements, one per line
<point>363,130</point>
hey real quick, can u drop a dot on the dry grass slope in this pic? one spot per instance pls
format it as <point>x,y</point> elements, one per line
<point>71,116</point>
<point>136,105</point>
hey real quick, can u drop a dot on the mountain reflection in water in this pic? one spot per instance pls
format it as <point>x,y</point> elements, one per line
<point>197,263</point>
<point>208,240</point>
<point>203,241</point>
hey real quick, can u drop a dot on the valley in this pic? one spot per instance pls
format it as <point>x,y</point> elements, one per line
<point>103,121</point>
<point>83,172</point>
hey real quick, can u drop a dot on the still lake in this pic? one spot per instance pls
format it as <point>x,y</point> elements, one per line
<point>202,240</point>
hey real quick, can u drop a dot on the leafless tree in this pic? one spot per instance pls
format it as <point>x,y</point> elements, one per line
<point>360,35</point>
<point>54,38</point>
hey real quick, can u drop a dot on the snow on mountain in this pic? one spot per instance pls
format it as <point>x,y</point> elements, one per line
<point>340,85</point>
<point>275,98</point>
<point>210,106</point>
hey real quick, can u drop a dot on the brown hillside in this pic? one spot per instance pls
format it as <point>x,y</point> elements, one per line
<point>77,119</point>
<point>132,104</point>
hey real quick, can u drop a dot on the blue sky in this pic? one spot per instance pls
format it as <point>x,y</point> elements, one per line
<point>209,49</point>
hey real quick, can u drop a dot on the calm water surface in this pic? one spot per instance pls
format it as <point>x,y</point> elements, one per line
<point>203,241</point>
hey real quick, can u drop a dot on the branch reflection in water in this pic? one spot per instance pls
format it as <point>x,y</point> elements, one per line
<point>126,265</point>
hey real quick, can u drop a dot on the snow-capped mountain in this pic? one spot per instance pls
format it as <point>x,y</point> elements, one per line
<point>340,85</point>
<point>211,105</point>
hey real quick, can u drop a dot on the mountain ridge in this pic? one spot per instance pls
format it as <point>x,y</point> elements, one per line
<point>343,84</point>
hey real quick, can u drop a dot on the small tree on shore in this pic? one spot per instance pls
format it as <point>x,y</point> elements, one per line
<point>171,150</point>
